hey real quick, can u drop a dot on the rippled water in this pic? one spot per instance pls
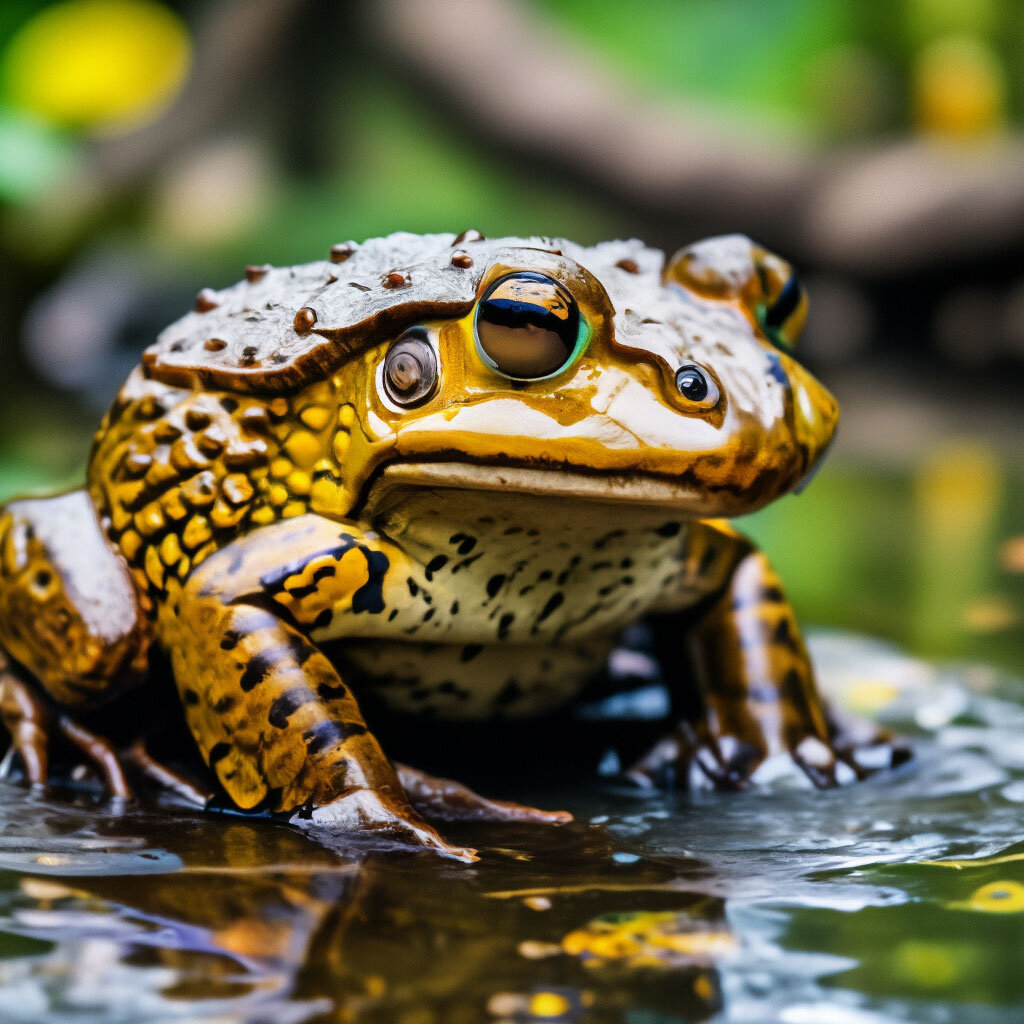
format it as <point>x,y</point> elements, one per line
<point>898,899</point>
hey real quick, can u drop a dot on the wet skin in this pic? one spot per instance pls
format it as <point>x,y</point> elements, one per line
<point>471,463</point>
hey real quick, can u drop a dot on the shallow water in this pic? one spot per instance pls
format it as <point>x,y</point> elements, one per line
<point>897,899</point>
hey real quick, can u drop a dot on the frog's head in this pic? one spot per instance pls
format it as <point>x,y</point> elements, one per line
<point>608,374</point>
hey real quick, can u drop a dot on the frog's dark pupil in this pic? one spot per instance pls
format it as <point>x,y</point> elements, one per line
<point>692,384</point>
<point>527,325</point>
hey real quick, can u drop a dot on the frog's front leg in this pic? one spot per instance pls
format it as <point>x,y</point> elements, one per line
<point>757,694</point>
<point>269,711</point>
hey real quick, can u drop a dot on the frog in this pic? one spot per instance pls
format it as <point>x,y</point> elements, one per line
<point>463,465</point>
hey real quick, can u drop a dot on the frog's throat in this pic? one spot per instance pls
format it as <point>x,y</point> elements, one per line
<point>610,488</point>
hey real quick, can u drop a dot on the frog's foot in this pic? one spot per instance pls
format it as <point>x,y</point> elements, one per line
<point>729,761</point>
<point>726,761</point>
<point>864,745</point>
<point>166,777</point>
<point>445,800</point>
<point>30,724</point>
<point>379,814</point>
<point>27,720</point>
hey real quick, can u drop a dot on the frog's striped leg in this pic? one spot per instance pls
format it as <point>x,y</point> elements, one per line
<point>756,684</point>
<point>269,711</point>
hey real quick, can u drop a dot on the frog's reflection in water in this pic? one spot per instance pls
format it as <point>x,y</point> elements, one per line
<point>260,924</point>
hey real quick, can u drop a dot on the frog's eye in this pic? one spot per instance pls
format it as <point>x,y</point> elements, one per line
<point>783,313</point>
<point>410,370</point>
<point>528,327</point>
<point>697,386</point>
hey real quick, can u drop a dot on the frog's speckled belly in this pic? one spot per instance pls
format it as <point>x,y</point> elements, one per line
<point>472,681</point>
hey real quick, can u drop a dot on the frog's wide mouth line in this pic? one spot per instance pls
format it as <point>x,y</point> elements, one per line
<point>640,489</point>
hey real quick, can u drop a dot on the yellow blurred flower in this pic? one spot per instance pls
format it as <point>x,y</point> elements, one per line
<point>959,88</point>
<point>97,65</point>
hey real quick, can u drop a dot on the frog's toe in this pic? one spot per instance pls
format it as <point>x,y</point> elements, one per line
<point>446,800</point>
<point>374,813</point>
<point>726,761</point>
<point>102,755</point>
<point>819,762</point>
<point>26,718</point>
<point>864,745</point>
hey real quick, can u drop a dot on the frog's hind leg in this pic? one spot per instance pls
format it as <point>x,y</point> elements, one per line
<point>70,618</point>
<point>269,712</point>
<point>756,693</point>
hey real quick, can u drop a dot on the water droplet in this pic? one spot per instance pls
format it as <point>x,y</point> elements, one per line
<point>462,260</point>
<point>621,857</point>
<point>469,235</point>
<point>256,272</point>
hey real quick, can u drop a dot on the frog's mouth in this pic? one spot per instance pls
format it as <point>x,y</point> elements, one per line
<point>634,488</point>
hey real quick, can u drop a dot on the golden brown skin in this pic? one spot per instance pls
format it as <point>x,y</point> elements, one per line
<point>259,487</point>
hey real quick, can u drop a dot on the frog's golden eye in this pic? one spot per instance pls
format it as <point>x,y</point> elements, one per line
<point>784,312</point>
<point>528,327</point>
<point>410,370</point>
<point>697,386</point>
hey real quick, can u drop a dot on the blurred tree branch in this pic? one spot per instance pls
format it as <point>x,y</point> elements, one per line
<point>535,91</point>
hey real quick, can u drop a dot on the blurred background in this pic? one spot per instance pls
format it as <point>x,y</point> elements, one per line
<point>150,148</point>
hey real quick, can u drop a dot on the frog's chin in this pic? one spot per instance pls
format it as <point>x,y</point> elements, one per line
<point>633,489</point>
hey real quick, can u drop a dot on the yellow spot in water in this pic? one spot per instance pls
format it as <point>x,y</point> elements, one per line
<point>930,965</point>
<point>999,898</point>
<point>52,860</point>
<point>263,516</point>
<point>870,695</point>
<point>347,416</point>
<point>293,509</point>
<point>549,1004</point>
<point>98,64</point>
<point>280,468</point>
<point>277,495</point>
